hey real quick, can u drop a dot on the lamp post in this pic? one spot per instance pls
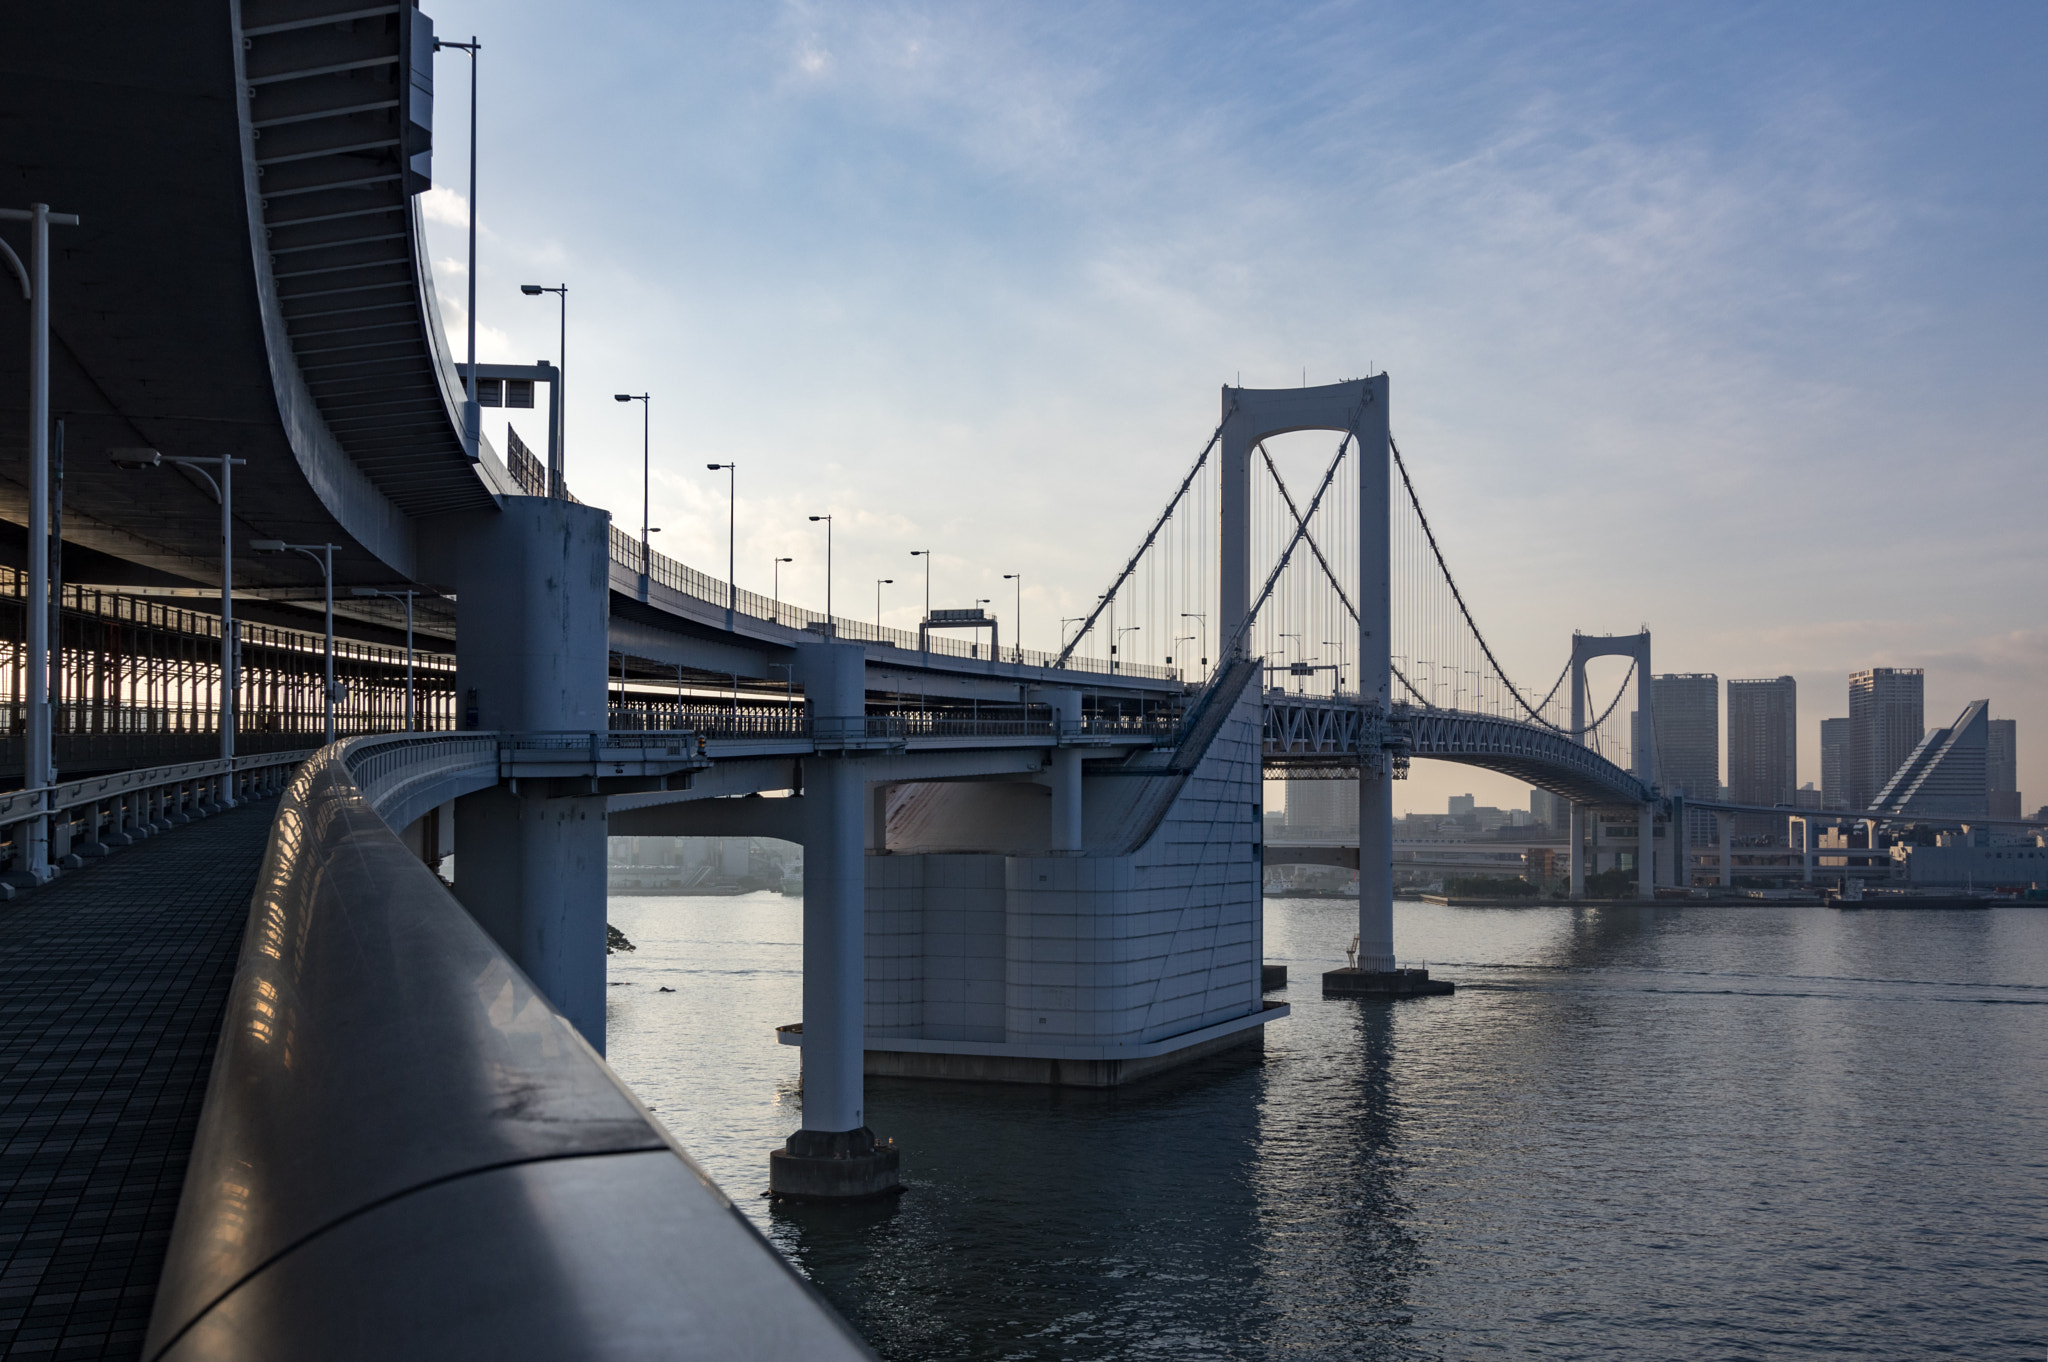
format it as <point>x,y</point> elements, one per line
<point>829,626</point>
<point>1338,644</point>
<point>41,771</point>
<point>472,417</point>
<point>732,502</point>
<point>224,493</point>
<point>646,427</point>
<point>778,588</point>
<point>1202,622</point>
<point>880,582</point>
<point>925,633</point>
<point>411,713</point>
<point>1117,638</point>
<point>555,479</point>
<point>1018,646</point>
<point>322,554</point>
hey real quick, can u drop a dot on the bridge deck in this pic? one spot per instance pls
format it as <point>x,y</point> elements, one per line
<point>112,985</point>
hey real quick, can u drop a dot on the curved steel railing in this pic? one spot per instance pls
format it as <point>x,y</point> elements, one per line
<point>407,1152</point>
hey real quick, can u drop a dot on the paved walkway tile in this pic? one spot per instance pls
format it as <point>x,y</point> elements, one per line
<point>112,984</point>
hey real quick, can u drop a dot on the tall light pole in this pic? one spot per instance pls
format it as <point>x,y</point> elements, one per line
<point>1116,638</point>
<point>41,769</point>
<point>224,493</point>
<point>646,432</point>
<point>556,479</point>
<point>1018,647</point>
<point>1203,625</point>
<point>411,713</point>
<point>323,555</point>
<point>778,587</point>
<point>1338,644</point>
<point>472,416</point>
<point>732,503</point>
<point>880,582</point>
<point>925,633</point>
<point>829,626</point>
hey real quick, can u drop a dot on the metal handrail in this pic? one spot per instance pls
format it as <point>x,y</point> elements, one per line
<point>680,577</point>
<point>407,1148</point>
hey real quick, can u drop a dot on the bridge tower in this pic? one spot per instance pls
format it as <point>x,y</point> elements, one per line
<point>1360,408</point>
<point>1642,754</point>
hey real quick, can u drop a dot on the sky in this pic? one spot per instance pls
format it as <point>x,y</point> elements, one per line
<point>1724,319</point>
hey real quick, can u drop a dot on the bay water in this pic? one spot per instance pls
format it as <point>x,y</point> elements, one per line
<point>1667,1132</point>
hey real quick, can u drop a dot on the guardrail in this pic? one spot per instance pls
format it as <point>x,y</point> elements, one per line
<point>406,1152</point>
<point>90,817</point>
<point>680,577</point>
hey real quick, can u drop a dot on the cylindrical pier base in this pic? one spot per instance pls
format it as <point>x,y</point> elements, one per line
<point>826,1166</point>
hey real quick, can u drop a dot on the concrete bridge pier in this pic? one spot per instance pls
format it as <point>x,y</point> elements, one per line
<point>834,1157</point>
<point>1578,835</point>
<point>1646,851</point>
<point>1065,774</point>
<point>531,616</point>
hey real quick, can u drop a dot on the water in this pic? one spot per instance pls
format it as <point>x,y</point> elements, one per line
<point>1677,1132</point>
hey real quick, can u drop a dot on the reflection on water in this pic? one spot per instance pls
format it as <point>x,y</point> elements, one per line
<point>1633,1133</point>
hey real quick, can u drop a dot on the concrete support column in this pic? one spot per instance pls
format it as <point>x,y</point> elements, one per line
<point>1646,851</point>
<point>1727,830</point>
<point>834,1156</point>
<point>532,585</point>
<point>1376,871</point>
<point>1065,774</point>
<point>1578,835</point>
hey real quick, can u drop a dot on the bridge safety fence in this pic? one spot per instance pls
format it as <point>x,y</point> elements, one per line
<point>680,577</point>
<point>407,1152</point>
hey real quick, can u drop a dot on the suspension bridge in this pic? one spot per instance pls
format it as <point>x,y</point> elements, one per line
<point>303,595</point>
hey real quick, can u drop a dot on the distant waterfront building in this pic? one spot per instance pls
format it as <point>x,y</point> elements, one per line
<point>2002,767</point>
<point>1763,749</point>
<point>1887,718</point>
<point>1688,707</point>
<point>1462,804</point>
<point>1806,797</point>
<point>1554,811</point>
<point>1944,777</point>
<point>1834,763</point>
<point>1327,807</point>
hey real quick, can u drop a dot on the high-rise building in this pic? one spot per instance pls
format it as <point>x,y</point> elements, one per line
<point>1688,707</point>
<point>2002,767</point>
<point>1944,777</point>
<point>1322,807</point>
<point>1462,804</point>
<point>1554,811</point>
<point>1887,717</point>
<point>1763,749</point>
<point>1834,763</point>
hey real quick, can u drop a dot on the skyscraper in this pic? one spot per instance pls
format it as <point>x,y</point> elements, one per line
<point>1688,707</point>
<point>1834,763</point>
<point>2002,767</point>
<point>1945,774</point>
<point>1763,749</point>
<point>1887,717</point>
<point>1322,807</point>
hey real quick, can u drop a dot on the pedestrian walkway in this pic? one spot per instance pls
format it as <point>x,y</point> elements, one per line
<point>112,985</point>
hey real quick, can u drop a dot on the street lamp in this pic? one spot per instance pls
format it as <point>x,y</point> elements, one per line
<point>555,482</point>
<point>880,582</point>
<point>322,554</point>
<point>646,419</point>
<point>411,713</point>
<point>472,417</point>
<point>41,771</point>
<point>778,587</point>
<point>732,502</point>
<point>925,633</point>
<point>1203,624</point>
<point>828,571</point>
<point>224,493</point>
<point>1117,637</point>
<point>1018,645</point>
<point>1338,644</point>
